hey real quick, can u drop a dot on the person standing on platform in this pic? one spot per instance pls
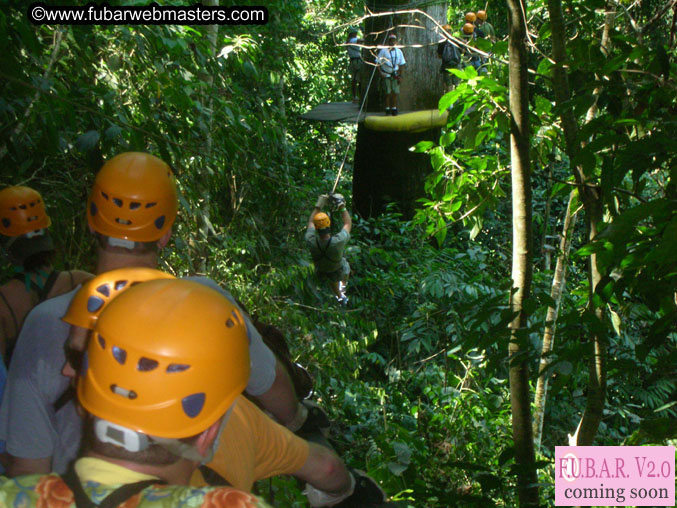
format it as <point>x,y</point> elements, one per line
<point>391,63</point>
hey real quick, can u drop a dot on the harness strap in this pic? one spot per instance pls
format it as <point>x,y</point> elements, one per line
<point>11,312</point>
<point>213,478</point>
<point>114,499</point>
<point>67,395</point>
<point>47,287</point>
<point>324,251</point>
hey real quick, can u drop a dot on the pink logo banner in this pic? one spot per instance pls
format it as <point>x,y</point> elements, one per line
<point>614,476</point>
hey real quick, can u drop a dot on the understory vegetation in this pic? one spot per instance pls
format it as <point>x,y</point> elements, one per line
<point>414,371</point>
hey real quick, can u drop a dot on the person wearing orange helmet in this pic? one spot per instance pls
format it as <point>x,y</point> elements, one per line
<point>484,28</point>
<point>130,210</point>
<point>327,250</point>
<point>167,362</point>
<point>28,246</point>
<point>252,446</point>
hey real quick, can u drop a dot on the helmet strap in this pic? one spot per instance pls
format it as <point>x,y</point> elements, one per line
<point>109,432</point>
<point>132,441</point>
<point>121,242</point>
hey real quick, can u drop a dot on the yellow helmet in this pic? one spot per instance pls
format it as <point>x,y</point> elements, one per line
<point>22,211</point>
<point>97,293</point>
<point>167,359</point>
<point>134,197</point>
<point>482,15</point>
<point>321,220</point>
<point>468,28</point>
<point>470,17</point>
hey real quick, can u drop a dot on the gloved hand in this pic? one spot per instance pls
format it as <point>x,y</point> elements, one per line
<point>322,201</point>
<point>338,201</point>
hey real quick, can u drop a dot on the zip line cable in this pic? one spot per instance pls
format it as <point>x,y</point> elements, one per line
<point>359,114</point>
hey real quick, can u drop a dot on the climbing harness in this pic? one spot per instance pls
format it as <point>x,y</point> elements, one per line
<point>323,252</point>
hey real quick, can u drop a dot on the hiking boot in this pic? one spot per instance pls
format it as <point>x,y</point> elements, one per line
<point>393,111</point>
<point>303,381</point>
<point>317,420</point>
<point>367,493</point>
<point>342,300</point>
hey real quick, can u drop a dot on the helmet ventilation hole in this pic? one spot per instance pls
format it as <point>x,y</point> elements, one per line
<point>120,355</point>
<point>177,367</point>
<point>104,289</point>
<point>94,303</point>
<point>146,364</point>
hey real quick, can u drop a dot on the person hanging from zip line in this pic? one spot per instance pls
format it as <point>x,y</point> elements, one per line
<point>327,250</point>
<point>252,446</point>
<point>391,63</point>
<point>131,210</point>
<point>26,243</point>
<point>355,63</point>
<point>451,59</point>
<point>167,362</point>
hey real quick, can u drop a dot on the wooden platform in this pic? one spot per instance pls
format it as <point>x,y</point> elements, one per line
<point>338,112</point>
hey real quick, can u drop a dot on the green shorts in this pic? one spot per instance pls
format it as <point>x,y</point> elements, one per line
<point>337,275</point>
<point>355,66</point>
<point>392,85</point>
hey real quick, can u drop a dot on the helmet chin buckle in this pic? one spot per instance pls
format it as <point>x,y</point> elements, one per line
<point>108,432</point>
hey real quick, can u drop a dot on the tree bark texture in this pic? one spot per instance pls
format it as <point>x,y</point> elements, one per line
<point>385,171</point>
<point>558,282</point>
<point>591,197</point>
<point>421,86</point>
<point>522,257</point>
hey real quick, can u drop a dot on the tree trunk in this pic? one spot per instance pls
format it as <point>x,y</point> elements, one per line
<point>591,196</point>
<point>522,257</point>
<point>385,170</point>
<point>558,281</point>
<point>421,86</point>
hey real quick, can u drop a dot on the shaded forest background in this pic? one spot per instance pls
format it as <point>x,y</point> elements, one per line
<point>415,371</point>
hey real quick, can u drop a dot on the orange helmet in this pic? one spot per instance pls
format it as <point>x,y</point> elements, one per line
<point>482,15</point>
<point>22,211</point>
<point>134,197</point>
<point>468,28</point>
<point>167,359</point>
<point>470,17</point>
<point>96,293</point>
<point>321,220</point>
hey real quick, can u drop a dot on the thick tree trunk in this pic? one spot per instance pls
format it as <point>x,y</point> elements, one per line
<point>522,257</point>
<point>591,197</point>
<point>421,86</point>
<point>558,282</point>
<point>385,170</point>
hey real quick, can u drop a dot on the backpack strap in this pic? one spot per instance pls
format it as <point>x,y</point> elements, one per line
<point>114,499</point>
